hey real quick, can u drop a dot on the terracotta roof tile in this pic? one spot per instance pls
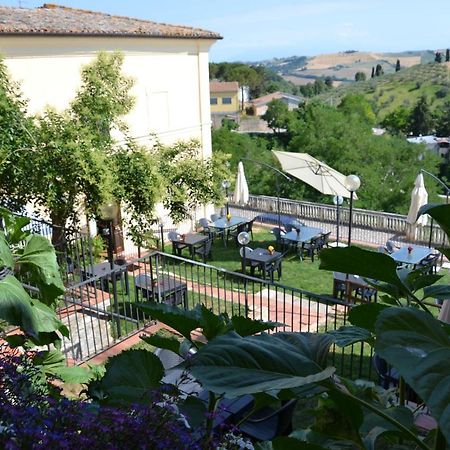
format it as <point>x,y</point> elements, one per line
<point>223,86</point>
<point>60,20</point>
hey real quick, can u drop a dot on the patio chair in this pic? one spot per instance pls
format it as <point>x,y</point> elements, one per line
<point>235,233</point>
<point>252,264</point>
<point>325,239</point>
<point>204,250</point>
<point>212,233</point>
<point>177,247</point>
<point>268,423</point>
<point>366,294</point>
<point>391,246</point>
<point>273,267</point>
<point>382,249</point>
<point>249,227</point>
<point>311,248</point>
<point>429,264</point>
<point>278,233</point>
<point>214,217</point>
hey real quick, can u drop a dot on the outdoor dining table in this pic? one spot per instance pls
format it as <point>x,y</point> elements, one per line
<point>414,257</point>
<point>224,225</point>
<point>102,272</point>
<point>191,240</point>
<point>164,288</point>
<point>351,283</point>
<point>303,235</point>
<point>263,258</point>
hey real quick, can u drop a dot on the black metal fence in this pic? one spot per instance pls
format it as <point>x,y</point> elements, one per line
<point>100,311</point>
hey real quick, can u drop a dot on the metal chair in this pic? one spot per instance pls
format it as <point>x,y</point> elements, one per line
<point>249,227</point>
<point>204,250</point>
<point>325,239</point>
<point>429,264</point>
<point>391,246</point>
<point>273,267</point>
<point>252,264</point>
<point>278,233</point>
<point>215,217</point>
<point>235,233</point>
<point>205,224</point>
<point>177,247</point>
<point>311,248</point>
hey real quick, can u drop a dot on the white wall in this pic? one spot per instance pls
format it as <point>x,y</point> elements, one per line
<point>171,81</point>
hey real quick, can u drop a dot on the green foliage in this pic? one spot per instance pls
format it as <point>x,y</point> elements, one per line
<point>276,115</point>
<point>397,121</point>
<point>421,121</point>
<point>360,76</point>
<point>443,120</point>
<point>397,65</point>
<point>343,139</point>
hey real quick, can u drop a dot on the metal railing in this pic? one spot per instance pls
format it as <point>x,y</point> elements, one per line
<point>371,227</point>
<point>99,316</point>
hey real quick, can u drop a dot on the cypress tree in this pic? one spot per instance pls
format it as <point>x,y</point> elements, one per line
<point>379,70</point>
<point>447,55</point>
<point>438,57</point>
<point>397,65</point>
<point>373,72</point>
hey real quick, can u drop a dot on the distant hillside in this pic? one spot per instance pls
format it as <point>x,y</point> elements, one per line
<point>402,88</point>
<point>343,66</point>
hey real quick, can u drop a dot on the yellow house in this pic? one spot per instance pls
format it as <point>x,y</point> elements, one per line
<point>224,100</point>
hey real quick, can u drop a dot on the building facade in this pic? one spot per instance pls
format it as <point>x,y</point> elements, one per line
<point>45,49</point>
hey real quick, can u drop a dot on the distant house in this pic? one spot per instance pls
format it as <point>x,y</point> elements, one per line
<point>260,104</point>
<point>45,48</point>
<point>224,101</point>
<point>438,145</point>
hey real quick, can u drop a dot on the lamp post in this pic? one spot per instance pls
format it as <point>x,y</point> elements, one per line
<point>226,185</point>
<point>277,181</point>
<point>337,200</point>
<point>161,232</point>
<point>352,184</point>
<point>243,239</point>
<point>108,212</point>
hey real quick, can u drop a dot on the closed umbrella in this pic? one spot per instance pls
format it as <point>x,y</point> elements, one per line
<point>241,194</point>
<point>419,197</point>
<point>317,174</point>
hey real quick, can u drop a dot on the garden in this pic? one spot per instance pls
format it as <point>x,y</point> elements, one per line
<point>127,402</point>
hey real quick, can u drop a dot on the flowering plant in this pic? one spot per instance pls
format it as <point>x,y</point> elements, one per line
<point>228,216</point>
<point>410,248</point>
<point>271,249</point>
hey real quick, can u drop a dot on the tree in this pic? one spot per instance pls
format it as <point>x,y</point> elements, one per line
<point>397,121</point>
<point>438,57</point>
<point>397,65</point>
<point>72,162</point>
<point>344,140</point>
<point>447,55</point>
<point>443,120</point>
<point>276,115</point>
<point>373,72</point>
<point>421,121</point>
<point>379,70</point>
<point>360,76</point>
<point>357,104</point>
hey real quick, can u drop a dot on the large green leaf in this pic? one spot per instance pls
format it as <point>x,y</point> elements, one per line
<point>314,346</point>
<point>13,226</point>
<point>16,307</point>
<point>162,340</point>
<point>236,365</point>
<point>213,325</point>
<point>181,320</point>
<point>46,319</point>
<point>6,257</point>
<point>441,292</point>
<point>131,375</point>
<point>361,262</point>
<point>417,345</point>
<point>440,213</point>
<point>39,258</point>
<point>365,316</point>
<point>350,335</point>
<point>245,326</point>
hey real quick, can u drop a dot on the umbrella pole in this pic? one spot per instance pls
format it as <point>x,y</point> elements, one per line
<point>278,202</point>
<point>350,220</point>
<point>337,228</point>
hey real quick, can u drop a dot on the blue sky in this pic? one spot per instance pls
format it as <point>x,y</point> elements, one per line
<point>261,29</point>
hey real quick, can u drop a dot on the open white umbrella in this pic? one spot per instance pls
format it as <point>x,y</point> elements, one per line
<point>314,172</point>
<point>241,194</point>
<point>419,197</point>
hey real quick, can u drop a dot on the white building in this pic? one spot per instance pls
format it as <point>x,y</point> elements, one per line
<point>45,49</point>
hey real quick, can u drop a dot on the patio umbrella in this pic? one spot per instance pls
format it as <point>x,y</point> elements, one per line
<point>314,172</point>
<point>419,197</point>
<point>241,194</point>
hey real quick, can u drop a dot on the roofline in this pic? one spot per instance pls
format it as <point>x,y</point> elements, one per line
<point>129,35</point>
